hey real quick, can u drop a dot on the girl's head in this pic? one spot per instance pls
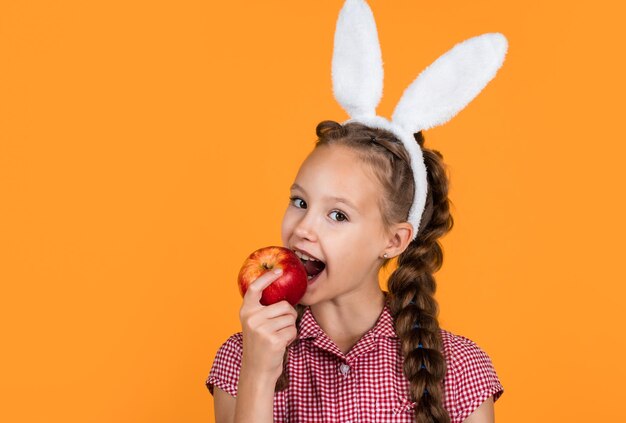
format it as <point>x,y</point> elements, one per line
<point>348,207</point>
<point>347,210</point>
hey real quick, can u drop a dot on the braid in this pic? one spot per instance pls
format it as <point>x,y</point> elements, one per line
<point>411,299</point>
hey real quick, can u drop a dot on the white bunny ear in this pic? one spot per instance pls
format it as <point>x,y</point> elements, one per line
<point>453,80</point>
<point>357,68</point>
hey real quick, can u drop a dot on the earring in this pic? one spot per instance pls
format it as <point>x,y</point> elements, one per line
<point>385,255</point>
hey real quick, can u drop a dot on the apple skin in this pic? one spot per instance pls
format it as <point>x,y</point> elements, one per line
<point>290,286</point>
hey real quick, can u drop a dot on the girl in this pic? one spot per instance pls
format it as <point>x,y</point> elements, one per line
<point>366,194</point>
<point>359,352</point>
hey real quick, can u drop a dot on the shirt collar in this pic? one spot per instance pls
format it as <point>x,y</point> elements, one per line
<point>309,328</point>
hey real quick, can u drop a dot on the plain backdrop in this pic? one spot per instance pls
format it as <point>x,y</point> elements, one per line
<point>147,147</point>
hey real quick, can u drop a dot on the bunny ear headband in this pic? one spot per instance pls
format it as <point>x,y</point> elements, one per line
<point>439,92</point>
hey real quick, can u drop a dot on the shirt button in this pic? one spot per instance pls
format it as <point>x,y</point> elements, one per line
<point>344,369</point>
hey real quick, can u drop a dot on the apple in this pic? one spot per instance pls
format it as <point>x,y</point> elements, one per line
<point>290,286</point>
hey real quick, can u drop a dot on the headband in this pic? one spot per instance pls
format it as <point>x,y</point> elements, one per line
<point>437,94</point>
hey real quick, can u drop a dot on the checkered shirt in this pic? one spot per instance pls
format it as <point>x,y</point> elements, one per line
<point>366,384</point>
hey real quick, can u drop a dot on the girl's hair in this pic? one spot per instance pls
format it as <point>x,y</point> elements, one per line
<point>412,285</point>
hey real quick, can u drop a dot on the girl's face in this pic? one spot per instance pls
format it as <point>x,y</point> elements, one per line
<point>334,216</point>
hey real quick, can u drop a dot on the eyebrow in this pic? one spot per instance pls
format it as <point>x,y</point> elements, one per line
<point>330,197</point>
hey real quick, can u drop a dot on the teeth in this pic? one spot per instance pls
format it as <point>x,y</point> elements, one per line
<point>309,277</point>
<point>304,256</point>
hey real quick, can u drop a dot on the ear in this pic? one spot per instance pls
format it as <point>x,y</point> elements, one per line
<point>357,67</point>
<point>400,237</point>
<point>453,80</point>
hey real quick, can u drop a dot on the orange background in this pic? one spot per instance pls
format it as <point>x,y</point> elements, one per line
<point>147,147</point>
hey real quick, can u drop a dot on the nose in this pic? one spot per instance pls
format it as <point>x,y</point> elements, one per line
<point>305,228</point>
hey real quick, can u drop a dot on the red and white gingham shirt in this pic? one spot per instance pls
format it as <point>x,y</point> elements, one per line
<point>367,383</point>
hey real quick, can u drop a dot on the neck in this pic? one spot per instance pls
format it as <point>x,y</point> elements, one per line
<point>346,320</point>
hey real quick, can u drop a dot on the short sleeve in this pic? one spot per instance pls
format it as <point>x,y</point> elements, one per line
<point>475,378</point>
<point>225,370</point>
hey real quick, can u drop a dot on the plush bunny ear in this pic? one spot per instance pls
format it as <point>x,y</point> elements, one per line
<point>357,68</point>
<point>453,80</point>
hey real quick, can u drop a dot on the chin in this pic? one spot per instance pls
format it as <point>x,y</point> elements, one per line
<point>306,299</point>
<point>309,298</point>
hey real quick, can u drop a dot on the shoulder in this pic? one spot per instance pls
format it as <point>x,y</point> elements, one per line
<point>235,341</point>
<point>226,365</point>
<point>473,377</point>
<point>231,349</point>
<point>461,351</point>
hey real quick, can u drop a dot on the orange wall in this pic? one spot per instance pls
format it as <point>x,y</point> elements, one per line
<point>147,148</point>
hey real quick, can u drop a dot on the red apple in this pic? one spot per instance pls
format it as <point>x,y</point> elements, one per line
<point>290,286</point>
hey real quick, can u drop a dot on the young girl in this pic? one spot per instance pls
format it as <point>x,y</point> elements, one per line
<point>359,354</point>
<point>350,352</point>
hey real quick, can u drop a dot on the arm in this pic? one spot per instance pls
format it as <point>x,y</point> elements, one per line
<point>250,363</point>
<point>224,406</point>
<point>254,401</point>
<point>255,398</point>
<point>483,414</point>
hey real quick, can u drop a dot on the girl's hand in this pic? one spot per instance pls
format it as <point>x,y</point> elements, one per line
<point>267,330</point>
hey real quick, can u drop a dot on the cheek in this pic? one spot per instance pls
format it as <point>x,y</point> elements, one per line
<point>286,227</point>
<point>367,248</point>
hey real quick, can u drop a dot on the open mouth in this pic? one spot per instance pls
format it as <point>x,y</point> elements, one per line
<point>313,268</point>
<point>312,265</point>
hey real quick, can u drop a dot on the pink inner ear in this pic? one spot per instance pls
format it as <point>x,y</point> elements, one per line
<point>313,267</point>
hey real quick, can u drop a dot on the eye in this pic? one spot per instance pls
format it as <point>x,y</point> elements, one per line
<point>341,217</point>
<point>344,217</point>
<point>292,199</point>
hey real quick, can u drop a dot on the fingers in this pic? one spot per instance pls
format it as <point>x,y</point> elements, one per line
<point>255,290</point>
<point>279,309</point>
<point>289,334</point>
<point>253,313</point>
<point>278,323</point>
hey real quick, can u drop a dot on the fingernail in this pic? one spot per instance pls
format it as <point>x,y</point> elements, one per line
<point>278,271</point>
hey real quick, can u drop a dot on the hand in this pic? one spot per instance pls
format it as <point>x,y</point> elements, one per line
<point>267,330</point>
